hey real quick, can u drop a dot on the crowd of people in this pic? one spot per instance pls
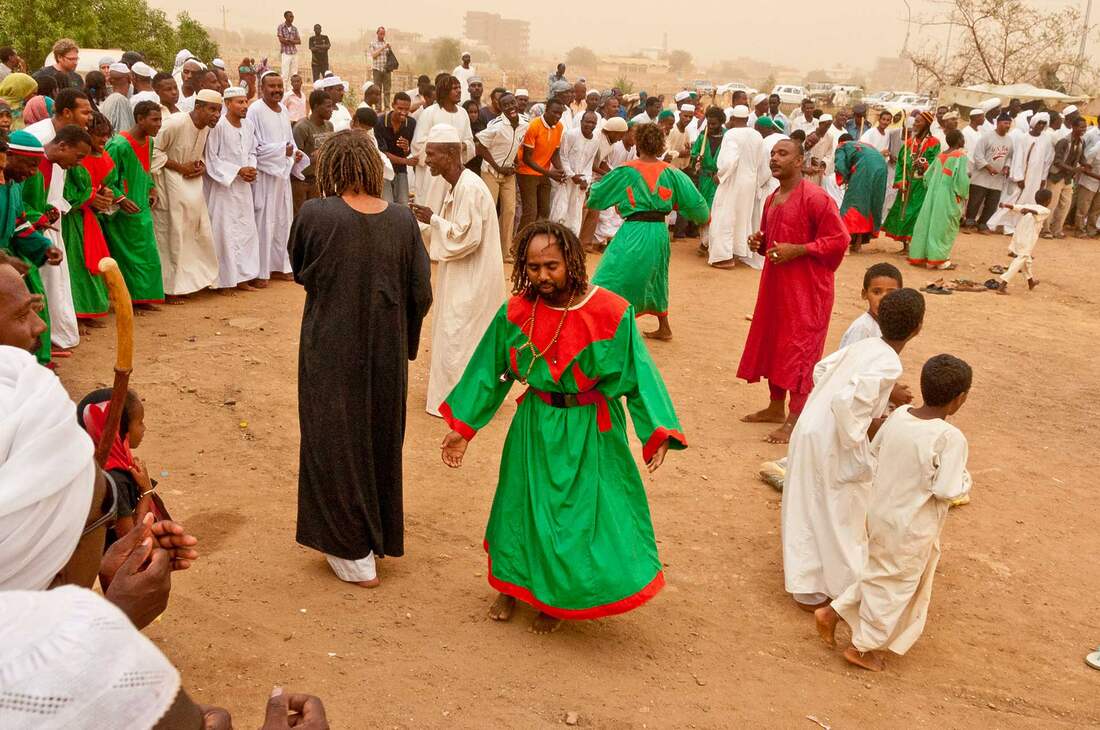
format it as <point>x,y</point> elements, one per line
<point>191,182</point>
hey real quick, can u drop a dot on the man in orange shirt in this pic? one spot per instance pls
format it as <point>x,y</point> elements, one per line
<point>539,163</point>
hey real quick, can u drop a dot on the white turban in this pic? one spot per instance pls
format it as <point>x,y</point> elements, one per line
<point>683,95</point>
<point>1069,110</point>
<point>739,112</point>
<point>689,108</point>
<point>218,63</point>
<point>990,104</point>
<point>46,474</point>
<point>119,68</point>
<point>144,70</point>
<point>976,112</point>
<point>825,118</point>
<point>759,98</point>
<point>183,56</point>
<point>1040,117</point>
<point>443,134</point>
<point>75,660</point>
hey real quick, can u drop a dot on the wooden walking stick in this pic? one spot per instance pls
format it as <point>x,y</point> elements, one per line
<point>124,358</point>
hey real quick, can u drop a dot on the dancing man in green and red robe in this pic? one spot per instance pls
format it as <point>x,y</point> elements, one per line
<point>916,156</point>
<point>948,185</point>
<point>863,169</point>
<point>570,531</point>
<point>644,191</point>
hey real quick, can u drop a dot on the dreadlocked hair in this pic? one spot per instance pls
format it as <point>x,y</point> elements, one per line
<point>571,249</point>
<point>349,161</point>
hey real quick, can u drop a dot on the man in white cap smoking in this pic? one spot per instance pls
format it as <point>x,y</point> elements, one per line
<point>742,170</point>
<point>142,74</point>
<point>464,72</point>
<point>465,241</point>
<point>116,107</point>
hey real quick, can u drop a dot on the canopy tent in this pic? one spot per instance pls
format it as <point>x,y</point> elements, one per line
<point>973,96</point>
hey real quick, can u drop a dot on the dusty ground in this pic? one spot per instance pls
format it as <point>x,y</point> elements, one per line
<point>1014,609</point>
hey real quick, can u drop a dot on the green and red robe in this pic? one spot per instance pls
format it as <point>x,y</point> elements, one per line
<point>85,245</point>
<point>902,217</point>
<point>570,531</point>
<point>635,265</point>
<point>863,169</point>
<point>130,236</point>
<point>706,151</point>
<point>948,185</point>
<point>19,238</point>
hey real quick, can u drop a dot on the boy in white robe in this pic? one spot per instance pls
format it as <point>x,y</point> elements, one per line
<point>921,471</point>
<point>742,169</point>
<point>1024,239</point>
<point>828,481</point>
<point>230,174</point>
<point>469,281</point>
<point>276,157</point>
<point>579,147</point>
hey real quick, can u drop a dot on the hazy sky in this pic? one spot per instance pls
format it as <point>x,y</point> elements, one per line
<point>801,33</point>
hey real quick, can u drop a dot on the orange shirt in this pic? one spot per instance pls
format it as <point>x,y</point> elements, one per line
<point>539,145</point>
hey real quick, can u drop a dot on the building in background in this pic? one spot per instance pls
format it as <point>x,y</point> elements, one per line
<point>507,37</point>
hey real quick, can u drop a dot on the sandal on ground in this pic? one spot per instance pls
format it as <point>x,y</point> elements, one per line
<point>997,269</point>
<point>1093,659</point>
<point>936,289</point>
<point>967,285</point>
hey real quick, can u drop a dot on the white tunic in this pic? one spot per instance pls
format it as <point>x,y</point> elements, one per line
<point>742,170</point>
<point>469,280</point>
<point>274,202</point>
<point>769,186</point>
<point>610,221</point>
<point>182,223</point>
<point>341,117</point>
<point>1031,157</point>
<point>921,470</point>
<point>578,154</point>
<point>430,189</point>
<point>862,327</point>
<point>464,75</point>
<point>64,331</point>
<point>830,466</point>
<point>829,182</point>
<point>230,202</point>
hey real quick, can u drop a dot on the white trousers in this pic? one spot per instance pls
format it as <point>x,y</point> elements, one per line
<point>288,66</point>
<point>64,331</point>
<point>1020,263</point>
<point>353,571</point>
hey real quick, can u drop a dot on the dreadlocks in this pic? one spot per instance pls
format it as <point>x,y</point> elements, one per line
<point>571,249</point>
<point>349,162</point>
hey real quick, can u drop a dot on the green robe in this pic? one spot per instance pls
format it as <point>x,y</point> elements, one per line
<point>863,169</point>
<point>130,237</point>
<point>570,531</point>
<point>948,185</point>
<point>635,265</point>
<point>903,214</point>
<point>19,238</point>
<point>708,167</point>
<point>89,290</point>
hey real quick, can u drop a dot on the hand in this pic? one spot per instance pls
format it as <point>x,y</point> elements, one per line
<point>153,198</point>
<point>141,476</point>
<point>298,154</point>
<point>507,170</point>
<point>658,458</point>
<point>1020,184</point>
<point>781,253</point>
<point>103,199</point>
<point>901,395</point>
<point>555,174</point>
<point>414,161</point>
<point>52,214</point>
<point>756,240</point>
<point>583,184</point>
<point>128,206</point>
<point>1005,205</point>
<point>422,213</point>
<point>54,256</point>
<point>289,149</point>
<point>215,718</point>
<point>142,593</point>
<point>715,180</point>
<point>292,710</point>
<point>454,447</point>
<point>577,179</point>
<point>173,537</point>
<point>402,144</point>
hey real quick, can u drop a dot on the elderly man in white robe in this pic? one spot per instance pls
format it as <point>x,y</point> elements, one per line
<point>742,170</point>
<point>180,219</point>
<point>430,190</point>
<point>1032,154</point>
<point>116,107</point>
<point>277,157</point>
<point>230,174</point>
<point>578,156</point>
<point>465,243</point>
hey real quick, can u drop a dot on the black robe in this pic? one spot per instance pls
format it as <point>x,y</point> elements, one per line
<point>368,287</point>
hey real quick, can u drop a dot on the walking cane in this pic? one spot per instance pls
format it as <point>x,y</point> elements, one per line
<point>124,358</point>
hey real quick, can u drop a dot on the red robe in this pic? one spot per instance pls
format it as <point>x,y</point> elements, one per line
<point>795,300</point>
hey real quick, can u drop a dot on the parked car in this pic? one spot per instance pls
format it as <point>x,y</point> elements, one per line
<point>789,94</point>
<point>736,86</point>
<point>704,87</point>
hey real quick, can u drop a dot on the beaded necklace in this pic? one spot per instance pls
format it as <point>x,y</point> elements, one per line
<point>536,353</point>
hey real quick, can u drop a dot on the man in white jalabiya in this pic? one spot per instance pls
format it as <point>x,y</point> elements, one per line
<point>463,72</point>
<point>578,155</point>
<point>230,175</point>
<point>341,117</point>
<point>878,137</point>
<point>1032,154</point>
<point>742,170</point>
<point>465,242</point>
<point>116,107</point>
<point>276,158</point>
<point>181,219</point>
<point>768,127</point>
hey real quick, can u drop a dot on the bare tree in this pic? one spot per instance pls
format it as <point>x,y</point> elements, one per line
<point>997,42</point>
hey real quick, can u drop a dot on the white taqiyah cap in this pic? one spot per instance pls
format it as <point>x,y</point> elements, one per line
<point>367,86</point>
<point>218,63</point>
<point>592,92</point>
<point>825,118</point>
<point>143,70</point>
<point>208,96</point>
<point>689,108</point>
<point>464,54</point>
<point>976,112</point>
<point>758,98</point>
<point>443,134</point>
<point>1069,109</point>
<point>615,124</point>
<point>119,68</point>
<point>1040,117</point>
<point>683,95</point>
<point>740,112</point>
<point>233,92</point>
<point>521,92</point>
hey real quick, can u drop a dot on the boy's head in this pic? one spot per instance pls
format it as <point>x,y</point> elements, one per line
<point>945,382</point>
<point>1042,197</point>
<point>878,281</point>
<point>901,314</point>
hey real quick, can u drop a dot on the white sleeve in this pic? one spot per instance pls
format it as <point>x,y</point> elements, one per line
<point>951,480</point>
<point>220,170</point>
<point>728,157</point>
<point>459,237</point>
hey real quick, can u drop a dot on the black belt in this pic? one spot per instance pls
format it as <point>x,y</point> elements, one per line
<point>646,216</point>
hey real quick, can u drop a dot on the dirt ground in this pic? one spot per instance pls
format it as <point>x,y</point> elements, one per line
<point>1014,608</point>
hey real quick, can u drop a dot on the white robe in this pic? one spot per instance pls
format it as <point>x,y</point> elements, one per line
<point>230,202</point>
<point>829,183</point>
<point>742,170</point>
<point>430,190</point>
<point>578,154</point>
<point>341,117</point>
<point>271,193</point>
<point>181,221</point>
<point>610,221</point>
<point>881,142</point>
<point>829,472</point>
<point>464,75</point>
<point>64,331</point>
<point>119,111</point>
<point>769,186</point>
<point>921,470</point>
<point>1031,157</point>
<point>469,280</point>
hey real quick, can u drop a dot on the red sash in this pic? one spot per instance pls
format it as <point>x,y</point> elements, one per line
<point>141,151</point>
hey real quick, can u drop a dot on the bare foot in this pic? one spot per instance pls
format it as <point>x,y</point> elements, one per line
<point>369,583</point>
<point>727,264</point>
<point>281,276</point>
<point>1002,288</point>
<point>147,307</point>
<point>826,619</point>
<point>869,660</point>
<point>502,608</point>
<point>1032,283</point>
<point>97,323</point>
<point>774,413</point>
<point>174,299</point>
<point>544,623</point>
<point>663,331</point>
<point>245,286</point>
<point>781,435</point>
<point>259,283</point>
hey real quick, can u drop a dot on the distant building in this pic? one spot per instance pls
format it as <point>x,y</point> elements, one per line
<point>506,36</point>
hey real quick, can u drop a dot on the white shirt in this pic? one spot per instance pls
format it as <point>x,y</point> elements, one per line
<point>143,96</point>
<point>502,140</point>
<point>464,75</point>
<point>862,327</point>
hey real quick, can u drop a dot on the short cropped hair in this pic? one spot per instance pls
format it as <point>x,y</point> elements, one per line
<point>649,139</point>
<point>366,117</point>
<point>943,379</point>
<point>317,97</point>
<point>144,108</point>
<point>881,269</point>
<point>900,314</point>
<point>1042,197</point>
<point>161,76</point>
<point>954,138</point>
<point>63,47</point>
<point>401,96</point>
<point>66,100</point>
<point>71,134</point>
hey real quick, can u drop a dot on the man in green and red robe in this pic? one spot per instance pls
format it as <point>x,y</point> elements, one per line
<point>570,531</point>
<point>916,156</point>
<point>863,169</point>
<point>948,185</point>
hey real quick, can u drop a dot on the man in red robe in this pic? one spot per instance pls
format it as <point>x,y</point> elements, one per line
<point>803,240</point>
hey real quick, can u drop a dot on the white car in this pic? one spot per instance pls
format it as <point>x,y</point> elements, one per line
<point>89,58</point>
<point>788,94</point>
<point>736,86</point>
